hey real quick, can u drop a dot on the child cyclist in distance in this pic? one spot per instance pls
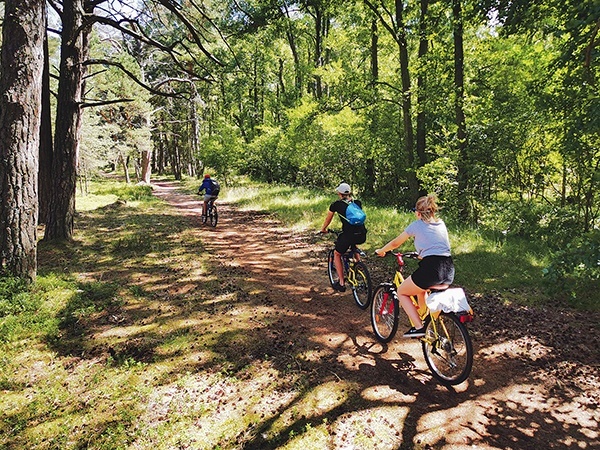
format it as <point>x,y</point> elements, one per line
<point>351,234</point>
<point>211,191</point>
<point>436,268</point>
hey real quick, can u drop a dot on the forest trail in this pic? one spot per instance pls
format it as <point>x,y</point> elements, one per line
<point>535,382</point>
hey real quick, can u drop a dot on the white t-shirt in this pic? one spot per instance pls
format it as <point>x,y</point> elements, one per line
<point>431,238</point>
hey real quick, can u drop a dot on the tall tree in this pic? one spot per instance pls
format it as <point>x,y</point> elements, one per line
<point>74,47</point>
<point>20,114</point>
<point>459,100</point>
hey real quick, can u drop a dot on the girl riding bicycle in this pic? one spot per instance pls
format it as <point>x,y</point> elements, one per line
<point>436,268</point>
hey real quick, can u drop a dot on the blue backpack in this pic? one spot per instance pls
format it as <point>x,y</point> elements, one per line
<point>354,214</point>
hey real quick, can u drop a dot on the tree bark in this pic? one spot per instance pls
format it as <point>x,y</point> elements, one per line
<point>22,62</point>
<point>413,184</point>
<point>421,116</point>
<point>46,147</point>
<point>459,93</point>
<point>74,48</point>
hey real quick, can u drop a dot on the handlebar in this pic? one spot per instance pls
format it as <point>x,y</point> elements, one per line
<point>400,256</point>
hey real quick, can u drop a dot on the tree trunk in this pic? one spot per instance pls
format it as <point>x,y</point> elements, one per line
<point>74,47</point>
<point>22,62</point>
<point>421,116</point>
<point>145,169</point>
<point>370,162</point>
<point>46,148</point>
<point>413,184</point>
<point>459,92</point>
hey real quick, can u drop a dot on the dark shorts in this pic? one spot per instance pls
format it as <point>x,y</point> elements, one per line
<point>434,270</point>
<point>346,239</point>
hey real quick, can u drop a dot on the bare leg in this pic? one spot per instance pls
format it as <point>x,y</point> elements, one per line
<point>337,260</point>
<point>204,208</point>
<point>406,289</point>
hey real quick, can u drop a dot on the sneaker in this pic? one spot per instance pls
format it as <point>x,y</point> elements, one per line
<point>415,333</point>
<point>338,287</point>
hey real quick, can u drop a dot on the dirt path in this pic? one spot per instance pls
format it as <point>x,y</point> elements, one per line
<point>535,382</point>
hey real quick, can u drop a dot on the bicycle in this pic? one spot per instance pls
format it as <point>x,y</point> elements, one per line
<point>356,273</point>
<point>447,346</point>
<point>212,214</point>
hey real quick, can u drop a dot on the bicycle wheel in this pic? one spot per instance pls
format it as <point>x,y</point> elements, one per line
<point>360,281</point>
<point>214,216</point>
<point>384,312</point>
<point>448,349</point>
<point>331,272</point>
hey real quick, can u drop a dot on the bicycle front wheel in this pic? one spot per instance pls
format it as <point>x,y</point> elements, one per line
<point>331,272</point>
<point>385,309</point>
<point>214,216</point>
<point>360,281</point>
<point>448,349</point>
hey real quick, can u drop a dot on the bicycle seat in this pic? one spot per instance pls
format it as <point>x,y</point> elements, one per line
<point>438,288</point>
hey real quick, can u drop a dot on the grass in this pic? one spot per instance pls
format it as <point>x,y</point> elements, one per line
<point>133,337</point>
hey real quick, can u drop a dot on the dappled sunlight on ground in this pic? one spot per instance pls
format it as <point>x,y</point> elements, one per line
<point>231,337</point>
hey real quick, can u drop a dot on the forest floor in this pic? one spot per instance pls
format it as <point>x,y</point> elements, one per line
<point>535,382</point>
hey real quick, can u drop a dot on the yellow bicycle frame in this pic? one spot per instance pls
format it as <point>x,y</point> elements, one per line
<point>398,279</point>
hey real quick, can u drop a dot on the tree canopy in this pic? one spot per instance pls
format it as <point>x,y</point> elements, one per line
<point>493,105</point>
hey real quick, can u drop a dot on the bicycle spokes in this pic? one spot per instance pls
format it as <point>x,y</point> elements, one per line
<point>448,349</point>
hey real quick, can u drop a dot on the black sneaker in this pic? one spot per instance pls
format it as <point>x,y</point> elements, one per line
<point>414,333</point>
<point>338,287</point>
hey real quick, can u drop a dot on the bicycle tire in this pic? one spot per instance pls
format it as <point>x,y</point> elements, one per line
<point>449,352</point>
<point>331,272</point>
<point>362,288</point>
<point>214,216</point>
<point>385,310</point>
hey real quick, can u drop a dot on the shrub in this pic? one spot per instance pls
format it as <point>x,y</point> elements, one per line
<point>575,270</point>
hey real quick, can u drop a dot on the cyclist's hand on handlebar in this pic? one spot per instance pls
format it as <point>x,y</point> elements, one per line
<point>380,252</point>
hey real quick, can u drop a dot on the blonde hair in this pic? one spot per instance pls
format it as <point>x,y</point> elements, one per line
<point>427,207</point>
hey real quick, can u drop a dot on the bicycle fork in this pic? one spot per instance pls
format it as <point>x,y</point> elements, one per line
<point>387,305</point>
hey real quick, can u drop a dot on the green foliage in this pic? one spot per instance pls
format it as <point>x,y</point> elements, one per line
<point>26,309</point>
<point>552,225</point>
<point>439,177</point>
<point>128,192</point>
<point>268,160</point>
<point>575,271</point>
<point>16,297</point>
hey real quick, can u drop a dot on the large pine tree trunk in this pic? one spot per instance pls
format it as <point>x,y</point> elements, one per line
<point>75,42</point>
<point>20,112</point>
<point>46,149</point>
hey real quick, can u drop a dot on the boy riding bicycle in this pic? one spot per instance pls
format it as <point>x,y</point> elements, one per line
<point>211,190</point>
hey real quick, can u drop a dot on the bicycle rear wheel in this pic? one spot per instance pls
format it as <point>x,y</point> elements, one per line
<point>331,272</point>
<point>448,349</point>
<point>214,216</point>
<point>360,281</point>
<point>385,309</point>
